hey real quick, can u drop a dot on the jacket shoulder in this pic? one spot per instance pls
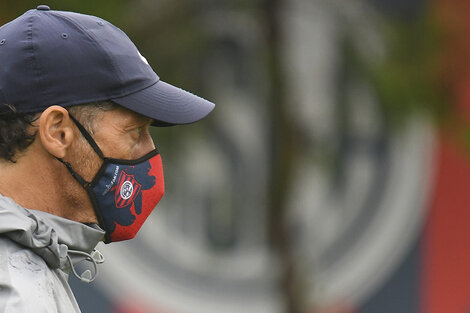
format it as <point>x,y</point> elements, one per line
<point>28,285</point>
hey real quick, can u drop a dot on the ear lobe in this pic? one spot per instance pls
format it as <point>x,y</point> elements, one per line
<point>56,130</point>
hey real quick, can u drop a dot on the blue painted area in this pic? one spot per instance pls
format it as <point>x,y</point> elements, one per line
<point>90,297</point>
<point>401,293</point>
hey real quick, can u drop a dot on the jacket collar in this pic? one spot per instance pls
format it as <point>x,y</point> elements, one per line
<point>48,235</point>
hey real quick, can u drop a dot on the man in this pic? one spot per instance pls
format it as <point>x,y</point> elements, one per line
<point>77,163</point>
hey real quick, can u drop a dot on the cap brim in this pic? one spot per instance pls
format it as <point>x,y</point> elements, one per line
<point>166,104</point>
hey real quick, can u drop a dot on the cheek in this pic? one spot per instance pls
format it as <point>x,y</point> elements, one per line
<point>126,147</point>
<point>87,161</point>
<point>144,146</point>
<point>116,147</point>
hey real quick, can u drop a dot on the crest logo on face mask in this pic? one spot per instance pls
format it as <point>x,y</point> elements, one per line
<point>127,191</point>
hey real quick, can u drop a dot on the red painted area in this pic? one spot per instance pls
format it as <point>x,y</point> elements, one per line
<point>446,249</point>
<point>135,306</point>
<point>446,246</point>
<point>132,309</point>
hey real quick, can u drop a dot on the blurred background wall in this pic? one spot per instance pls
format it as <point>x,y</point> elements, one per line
<point>333,175</point>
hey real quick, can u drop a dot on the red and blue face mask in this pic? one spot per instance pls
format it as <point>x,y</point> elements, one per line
<point>123,192</point>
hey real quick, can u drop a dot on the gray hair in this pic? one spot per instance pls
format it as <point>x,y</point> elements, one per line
<point>86,113</point>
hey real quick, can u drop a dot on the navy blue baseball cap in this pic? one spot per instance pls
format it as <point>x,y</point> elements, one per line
<point>50,57</point>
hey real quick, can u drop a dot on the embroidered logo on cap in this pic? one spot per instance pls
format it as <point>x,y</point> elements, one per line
<point>143,59</point>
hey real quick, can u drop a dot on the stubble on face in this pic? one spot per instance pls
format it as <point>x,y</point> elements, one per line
<point>86,163</point>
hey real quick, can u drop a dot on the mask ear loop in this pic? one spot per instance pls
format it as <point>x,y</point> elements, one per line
<point>88,137</point>
<point>75,175</point>
<point>92,143</point>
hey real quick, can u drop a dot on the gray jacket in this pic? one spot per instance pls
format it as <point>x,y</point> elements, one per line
<point>37,252</point>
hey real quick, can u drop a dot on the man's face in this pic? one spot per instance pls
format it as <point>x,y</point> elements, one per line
<point>123,134</point>
<point>120,134</point>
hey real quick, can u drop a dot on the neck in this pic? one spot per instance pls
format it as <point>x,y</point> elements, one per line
<point>40,182</point>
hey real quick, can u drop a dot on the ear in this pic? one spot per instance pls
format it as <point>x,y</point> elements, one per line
<point>56,130</point>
